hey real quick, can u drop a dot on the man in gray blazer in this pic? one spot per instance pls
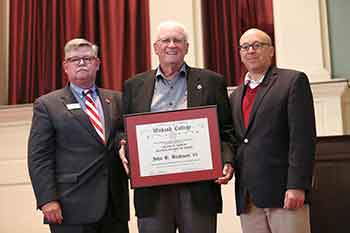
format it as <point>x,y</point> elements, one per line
<point>274,123</point>
<point>190,207</point>
<point>78,179</point>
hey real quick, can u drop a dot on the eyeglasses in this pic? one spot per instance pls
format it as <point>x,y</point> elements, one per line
<point>255,46</point>
<point>77,60</point>
<point>175,40</point>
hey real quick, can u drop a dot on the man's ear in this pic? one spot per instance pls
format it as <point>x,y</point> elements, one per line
<point>155,48</point>
<point>272,52</point>
<point>64,65</point>
<point>187,46</point>
<point>98,64</point>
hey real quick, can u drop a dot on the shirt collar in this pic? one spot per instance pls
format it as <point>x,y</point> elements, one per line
<point>182,71</point>
<point>79,91</point>
<point>251,82</point>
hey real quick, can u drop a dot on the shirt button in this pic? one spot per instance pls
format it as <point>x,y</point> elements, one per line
<point>171,87</point>
<point>170,104</point>
<point>246,140</point>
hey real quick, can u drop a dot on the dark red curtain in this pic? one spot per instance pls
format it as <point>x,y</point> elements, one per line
<point>39,29</point>
<point>224,21</point>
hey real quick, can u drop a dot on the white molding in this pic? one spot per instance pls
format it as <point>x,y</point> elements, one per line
<point>301,37</point>
<point>332,107</point>
<point>198,34</point>
<point>14,172</point>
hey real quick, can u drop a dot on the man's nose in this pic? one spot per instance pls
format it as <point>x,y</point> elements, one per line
<point>251,49</point>
<point>81,61</point>
<point>172,43</point>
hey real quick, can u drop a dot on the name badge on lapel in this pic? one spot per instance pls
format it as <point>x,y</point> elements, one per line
<point>73,106</point>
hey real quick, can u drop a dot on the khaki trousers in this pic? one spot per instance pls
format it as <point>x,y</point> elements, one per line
<point>275,220</point>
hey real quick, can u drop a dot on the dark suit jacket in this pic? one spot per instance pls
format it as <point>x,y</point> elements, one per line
<point>137,98</point>
<point>276,151</point>
<point>68,162</point>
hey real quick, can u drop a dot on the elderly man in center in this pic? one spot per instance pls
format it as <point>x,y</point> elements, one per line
<point>186,207</point>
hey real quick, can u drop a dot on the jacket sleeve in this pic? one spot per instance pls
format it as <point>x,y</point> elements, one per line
<point>41,155</point>
<point>120,132</point>
<point>302,134</point>
<point>225,121</point>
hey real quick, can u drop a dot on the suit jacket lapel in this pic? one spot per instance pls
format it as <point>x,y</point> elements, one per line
<point>238,110</point>
<point>194,87</point>
<point>69,98</point>
<point>265,86</point>
<point>147,92</point>
<point>106,107</point>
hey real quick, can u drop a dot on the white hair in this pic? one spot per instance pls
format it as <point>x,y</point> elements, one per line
<point>172,24</point>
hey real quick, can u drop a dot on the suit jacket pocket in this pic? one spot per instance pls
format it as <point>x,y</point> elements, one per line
<point>67,178</point>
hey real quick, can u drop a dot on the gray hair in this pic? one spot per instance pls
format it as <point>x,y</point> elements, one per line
<point>172,24</point>
<point>79,42</point>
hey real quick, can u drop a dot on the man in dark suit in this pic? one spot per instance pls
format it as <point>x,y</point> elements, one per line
<point>78,179</point>
<point>274,124</point>
<point>190,207</point>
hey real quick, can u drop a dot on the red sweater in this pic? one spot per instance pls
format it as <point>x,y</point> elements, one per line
<point>248,101</point>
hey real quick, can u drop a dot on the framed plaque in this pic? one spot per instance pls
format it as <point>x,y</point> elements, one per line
<point>173,146</point>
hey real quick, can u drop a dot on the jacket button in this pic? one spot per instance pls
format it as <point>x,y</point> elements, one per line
<point>246,140</point>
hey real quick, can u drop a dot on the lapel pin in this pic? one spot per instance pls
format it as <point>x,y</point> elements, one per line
<point>199,86</point>
<point>108,101</point>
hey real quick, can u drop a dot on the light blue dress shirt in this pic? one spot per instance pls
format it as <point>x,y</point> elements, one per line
<point>78,93</point>
<point>170,94</point>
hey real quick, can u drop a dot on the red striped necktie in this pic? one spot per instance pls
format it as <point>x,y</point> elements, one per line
<point>93,114</point>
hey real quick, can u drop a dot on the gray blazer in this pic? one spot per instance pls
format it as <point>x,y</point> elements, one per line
<point>68,162</point>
